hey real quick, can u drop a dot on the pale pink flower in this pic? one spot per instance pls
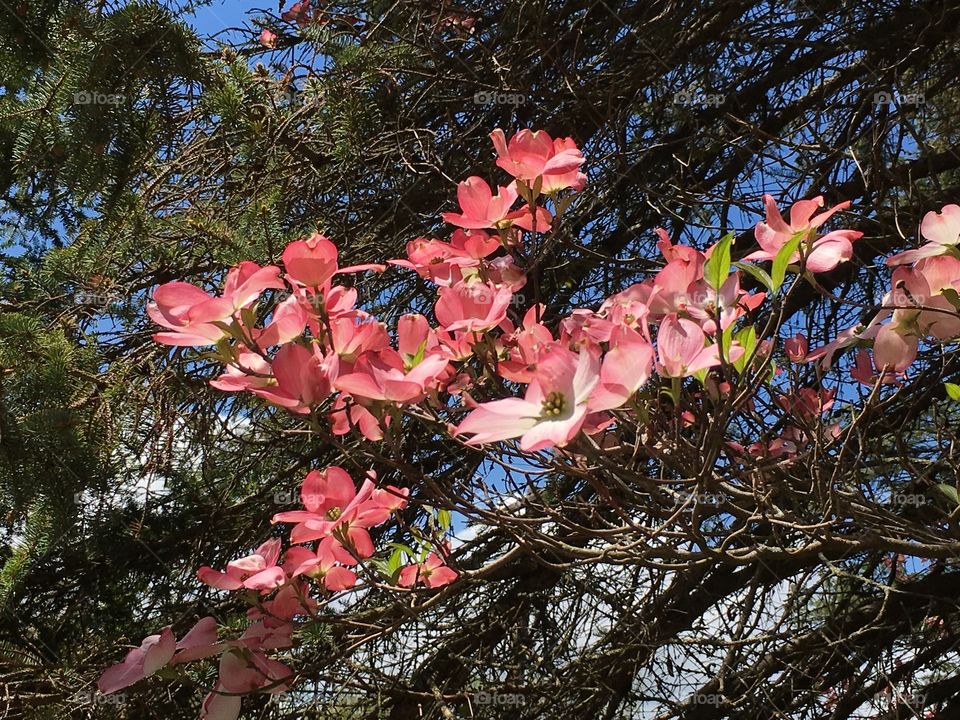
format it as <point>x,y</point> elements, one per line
<point>533,154</point>
<point>257,571</point>
<point>432,572</point>
<point>942,229</point>
<point>473,307</point>
<point>682,348</point>
<point>552,411</point>
<point>481,209</point>
<point>825,253</point>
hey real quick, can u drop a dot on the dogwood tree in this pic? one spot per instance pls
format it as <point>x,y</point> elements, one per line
<point>675,395</point>
<point>323,397</point>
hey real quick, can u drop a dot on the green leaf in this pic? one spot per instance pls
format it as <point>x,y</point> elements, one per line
<point>950,491</point>
<point>782,260</point>
<point>395,562</point>
<point>248,317</point>
<point>421,352</point>
<point>717,267</point>
<point>953,390</point>
<point>747,337</point>
<point>757,273</point>
<point>726,340</point>
<point>952,296</point>
<point>403,548</point>
<point>443,517</point>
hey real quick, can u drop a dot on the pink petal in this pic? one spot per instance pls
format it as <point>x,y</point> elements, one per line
<point>220,707</point>
<point>829,251</point>
<point>802,211</point>
<point>911,256</point>
<point>942,227</point>
<point>499,420</point>
<point>268,579</point>
<point>203,633</point>
<point>474,196</point>
<point>774,218</point>
<point>311,262</point>
<point>217,579</point>
<point>339,578</point>
<point>440,577</point>
<point>893,351</point>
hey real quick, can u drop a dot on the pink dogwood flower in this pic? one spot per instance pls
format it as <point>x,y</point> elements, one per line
<point>157,651</point>
<point>351,337</point>
<point>895,346</point>
<point>531,342</point>
<point>825,253</point>
<point>334,507</point>
<point>268,38</point>
<point>447,263</point>
<point>310,262</point>
<point>189,312</point>
<point>322,564</point>
<point>481,209</point>
<point>313,261</point>
<point>154,653</point>
<point>288,321</point>
<point>796,348</point>
<point>242,672</point>
<point>552,411</point>
<point>682,348</point>
<point>257,571</point>
<point>299,12</point>
<point>472,307</point>
<point>626,367</point>
<point>415,338</point>
<point>866,373</point>
<point>303,378</point>
<point>807,403</point>
<point>533,154</point>
<point>298,378</point>
<point>382,377</point>
<point>730,303</point>
<point>433,572</point>
<point>846,338</point>
<point>348,414</point>
<point>942,229</point>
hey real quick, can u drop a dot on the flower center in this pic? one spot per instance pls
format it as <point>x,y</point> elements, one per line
<point>553,405</point>
<point>334,513</point>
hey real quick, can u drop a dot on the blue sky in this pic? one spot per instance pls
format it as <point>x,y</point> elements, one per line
<point>219,15</point>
